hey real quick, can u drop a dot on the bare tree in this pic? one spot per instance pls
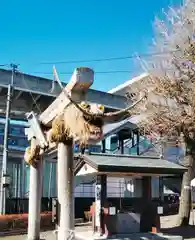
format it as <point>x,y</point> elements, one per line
<point>170,107</point>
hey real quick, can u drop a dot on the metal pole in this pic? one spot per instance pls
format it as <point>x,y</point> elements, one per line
<point>103,146</point>
<point>16,179</point>
<point>22,179</point>
<point>65,190</point>
<point>137,142</point>
<point>192,207</point>
<point>3,192</point>
<point>120,195</point>
<point>35,194</point>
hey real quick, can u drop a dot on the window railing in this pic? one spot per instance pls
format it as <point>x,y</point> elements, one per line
<point>144,146</point>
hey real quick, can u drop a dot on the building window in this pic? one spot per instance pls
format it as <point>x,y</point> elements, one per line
<point>85,190</point>
<point>113,143</point>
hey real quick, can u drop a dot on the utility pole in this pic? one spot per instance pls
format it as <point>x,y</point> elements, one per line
<point>4,175</point>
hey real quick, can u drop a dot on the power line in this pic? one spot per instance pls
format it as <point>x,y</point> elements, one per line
<point>96,72</point>
<point>100,60</point>
<point>108,59</point>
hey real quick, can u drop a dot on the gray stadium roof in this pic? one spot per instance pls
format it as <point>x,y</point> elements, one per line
<point>30,89</point>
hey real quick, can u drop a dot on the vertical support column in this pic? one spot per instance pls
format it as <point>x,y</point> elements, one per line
<point>103,146</point>
<point>65,189</point>
<point>17,180</point>
<point>147,189</point>
<point>122,146</point>
<point>133,138</point>
<point>121,142</point>
<point>132,141</point>
<point>137,142</point>
<point>50,180</point>
<point>161,189</point>
<point>100,200</point>
<point>161,184</point>
<point>22,178</point>
<point>150,220</point>
<point>35,195</point>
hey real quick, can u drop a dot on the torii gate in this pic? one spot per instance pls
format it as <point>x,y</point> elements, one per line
<point>53,129</point>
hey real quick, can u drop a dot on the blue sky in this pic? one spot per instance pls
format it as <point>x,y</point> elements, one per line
<point>48,31</point>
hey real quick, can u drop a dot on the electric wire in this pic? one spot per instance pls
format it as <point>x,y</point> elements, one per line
<point>89,60</point>
<point>99,60</point>
<point>109,59</point>
<point>96,72</point>
<point>102,59</point>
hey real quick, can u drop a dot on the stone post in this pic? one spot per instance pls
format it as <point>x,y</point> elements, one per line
<point>65,182</point>
<point>35,195</point>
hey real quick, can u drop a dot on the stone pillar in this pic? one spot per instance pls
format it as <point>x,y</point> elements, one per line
<point>35,195</point>
<point>100,201</point>
<point>65,168</point>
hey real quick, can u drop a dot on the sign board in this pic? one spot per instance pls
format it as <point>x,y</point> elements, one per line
<point>112,210</point>
<point>160,210</point>
<point>6,180</point>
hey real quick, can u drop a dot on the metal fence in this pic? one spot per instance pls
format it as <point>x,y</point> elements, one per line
<point>122,193</point>
<point>20,205</point>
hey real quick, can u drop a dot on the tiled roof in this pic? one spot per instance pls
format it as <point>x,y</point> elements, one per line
<point>134,164</point>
